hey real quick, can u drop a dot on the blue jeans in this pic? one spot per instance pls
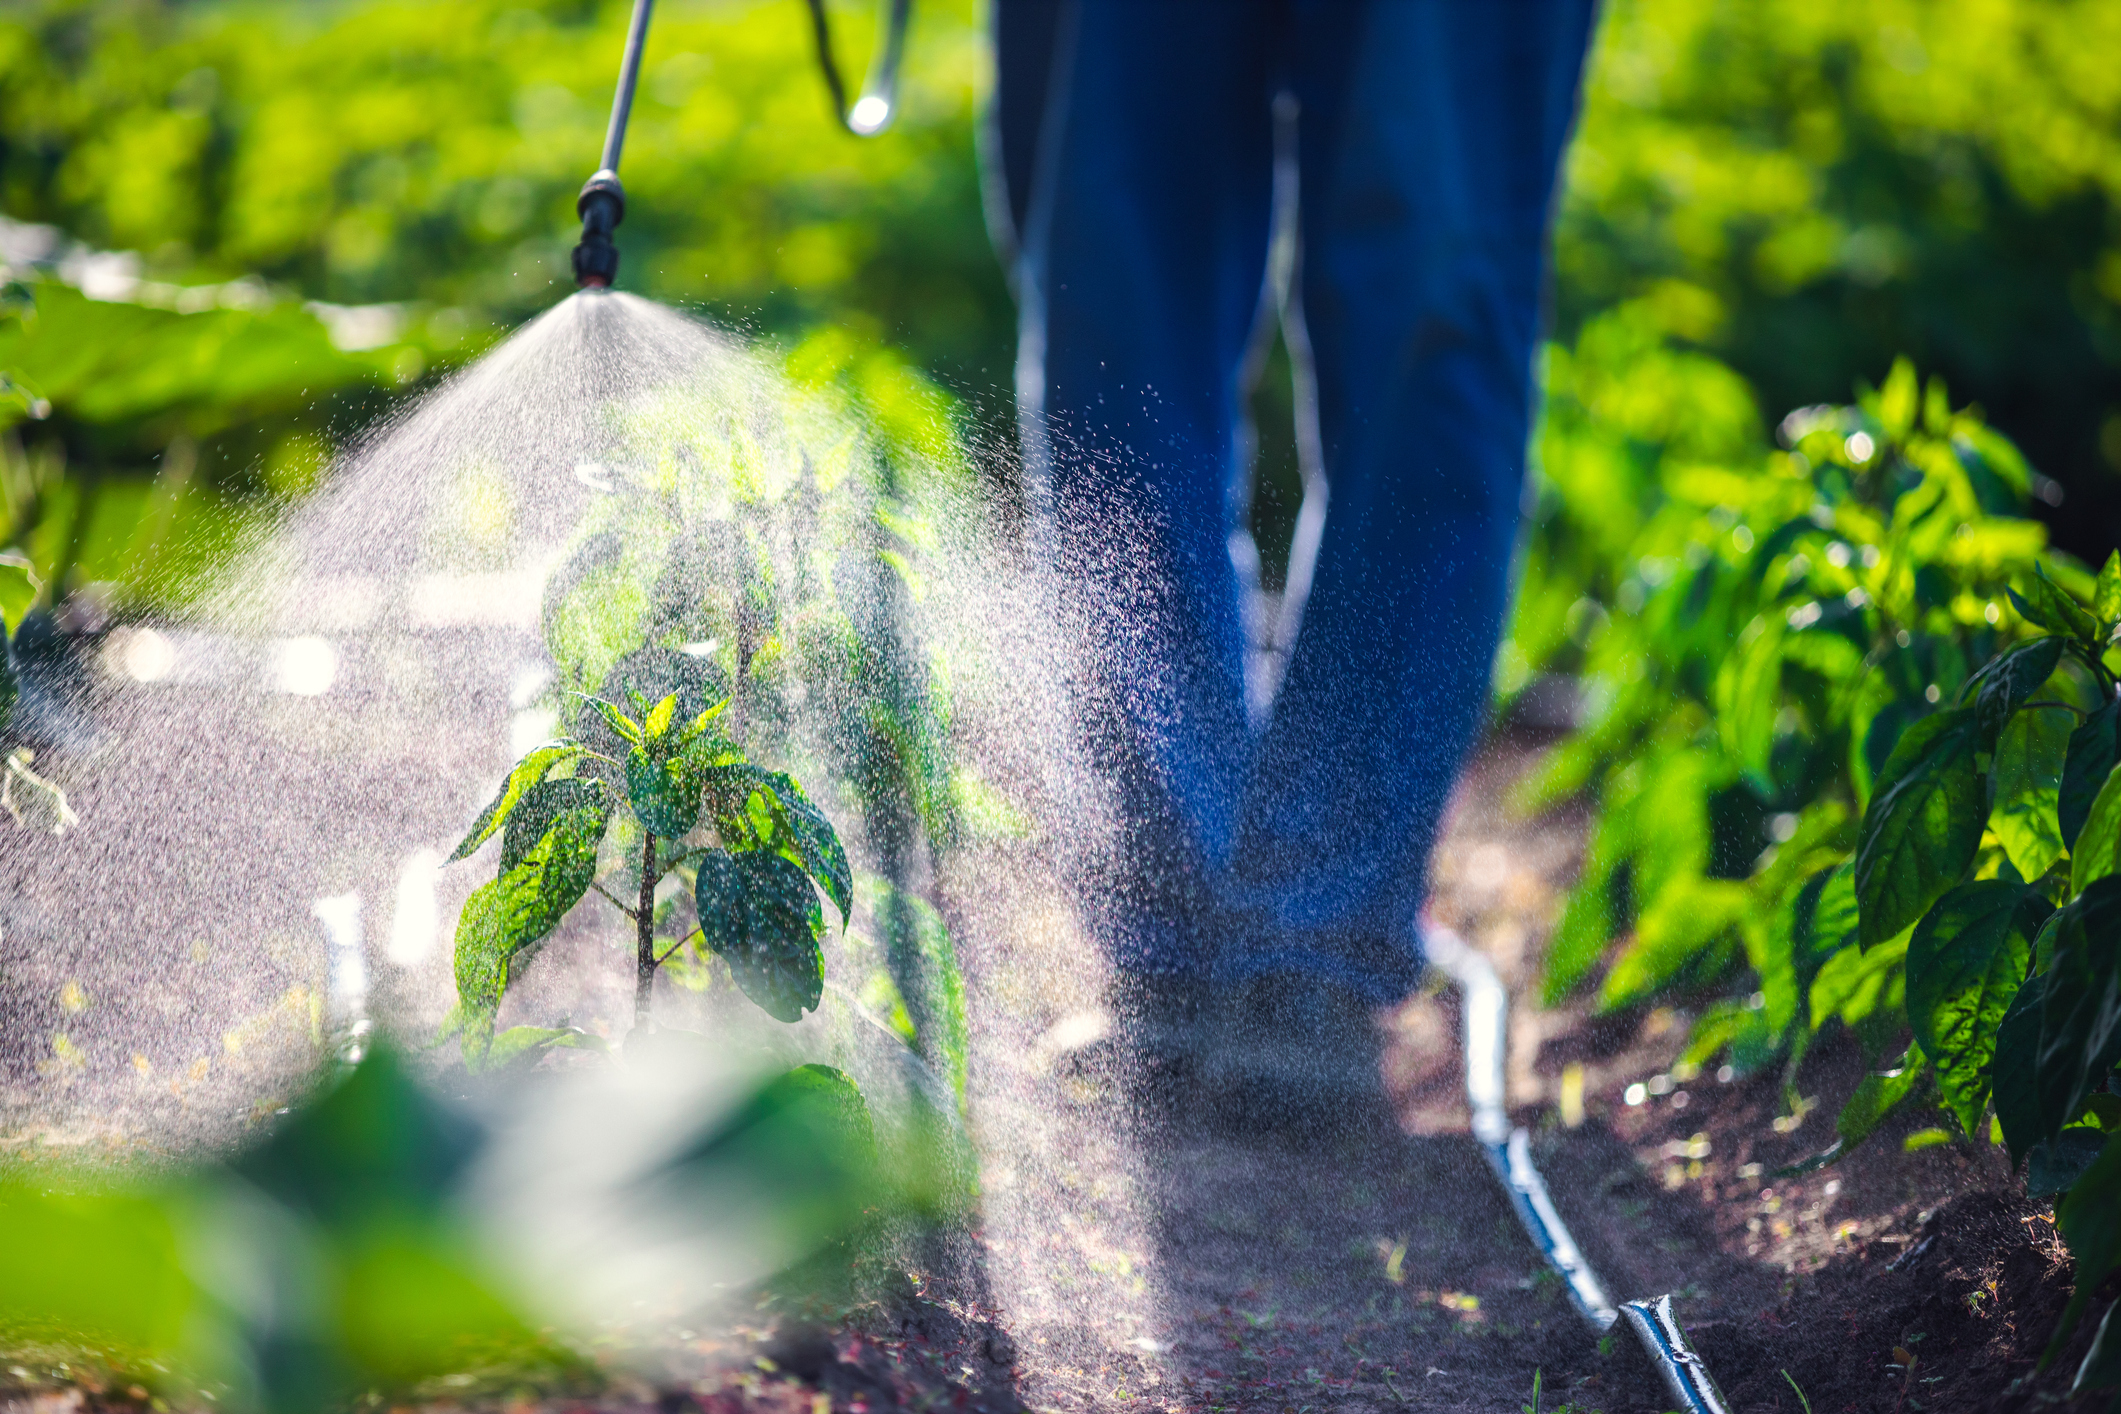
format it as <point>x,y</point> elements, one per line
<point>1136,145</point>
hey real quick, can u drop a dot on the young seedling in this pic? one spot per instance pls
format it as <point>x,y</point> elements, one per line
<point>684,799</point>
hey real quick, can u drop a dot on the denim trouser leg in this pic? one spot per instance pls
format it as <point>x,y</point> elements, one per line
<point>1428,138</point>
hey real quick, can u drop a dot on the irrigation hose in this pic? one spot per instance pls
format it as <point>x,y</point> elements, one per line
<point>1486,1015</point>
<point>873,111</point>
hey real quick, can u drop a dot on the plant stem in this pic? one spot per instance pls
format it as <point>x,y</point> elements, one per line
<point>645,960</point>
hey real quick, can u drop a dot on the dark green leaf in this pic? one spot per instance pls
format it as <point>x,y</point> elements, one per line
<point>2080,1011</point>
<point>2009,682</point>
<point>2015,1076</point>
<point>664,794</point>
<point>541,805</point>
<point>1964,965</point>
<point>2090,1219</point>
<point>2102,1363</point>
<point>759,913</point>
<point>2097,852</point>
<point>816,842</point>
<point>527,772</point>
<point>1923,826</point>
<point>2084,771</point>
<point>2056,1164</point>
<point>2106,594</point>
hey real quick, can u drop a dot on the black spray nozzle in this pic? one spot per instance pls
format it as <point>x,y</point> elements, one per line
<point>602,205</point>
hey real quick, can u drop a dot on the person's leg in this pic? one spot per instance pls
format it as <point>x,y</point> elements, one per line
<point>1143,237</point>
<point>1430,135</point>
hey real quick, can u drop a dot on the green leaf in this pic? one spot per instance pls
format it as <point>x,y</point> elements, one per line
<point>2090,1219</point>
<point>2051,607</point>
<point>1878,1095</point>
<point>18,590</point>
<point>2056,1164</point>
<point>663,791</point>
<point>481,966</point>
<point>541,805</point>
<point>8,688</point>
<point>2080,1010</point>
<point>1964,965</point>
<point>699,724</point>
<point>2015,1079</point>
<point>527,772</point>
<point>553,876</point>
<point>523,1044</point>
<point>816,842</point>
<point>2098,849</point>
<point>2085,769</point>
<point>628,730</point>
<point>2009,682</point>
<point>759,913</point>
<point>925,974</point>
<point>2027,776</point>
<point>1923,826</point>
<point>802,1149</point>
<point>2106,593</point>
<point>2102,1363</point>
<point>659,718</point>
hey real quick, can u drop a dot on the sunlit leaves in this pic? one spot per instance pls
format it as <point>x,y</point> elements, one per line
<point>1923,825</point>
<point>2027,776</point>
<point>2097,852</point>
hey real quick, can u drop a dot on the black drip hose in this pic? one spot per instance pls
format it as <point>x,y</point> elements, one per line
<point>873,111</point>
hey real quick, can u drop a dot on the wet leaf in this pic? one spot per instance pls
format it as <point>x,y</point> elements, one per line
<point>1923,826</point>
<point>1964,965</point>
<point>816,842</point>
<point>526,773</point>
<point>541,805</point>
<point>659,718</point>
<point>664,794</point>
<point>553,876</point>
<point>521,1044</point>
<point>759,913</point>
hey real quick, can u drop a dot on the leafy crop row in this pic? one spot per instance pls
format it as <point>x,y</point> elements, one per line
<point>1853,742</point>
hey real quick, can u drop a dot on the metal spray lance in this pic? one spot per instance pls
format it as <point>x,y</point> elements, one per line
<point>602,203</point>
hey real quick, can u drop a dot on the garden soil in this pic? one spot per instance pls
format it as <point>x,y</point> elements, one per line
<point>1127,1266</point>
<point>1384,1270</point>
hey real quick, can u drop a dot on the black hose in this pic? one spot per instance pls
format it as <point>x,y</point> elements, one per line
<point>873,111</point>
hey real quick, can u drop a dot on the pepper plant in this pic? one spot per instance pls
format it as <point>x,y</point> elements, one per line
<point>1853,744</point>
<point>683,799</point>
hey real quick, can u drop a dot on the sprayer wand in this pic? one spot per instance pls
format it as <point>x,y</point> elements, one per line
<point>602,204</point>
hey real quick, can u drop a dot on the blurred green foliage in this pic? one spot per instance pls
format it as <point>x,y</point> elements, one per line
<point>1809,189</point>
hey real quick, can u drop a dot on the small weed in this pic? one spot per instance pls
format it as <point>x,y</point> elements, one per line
<point>1800,1391</point>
